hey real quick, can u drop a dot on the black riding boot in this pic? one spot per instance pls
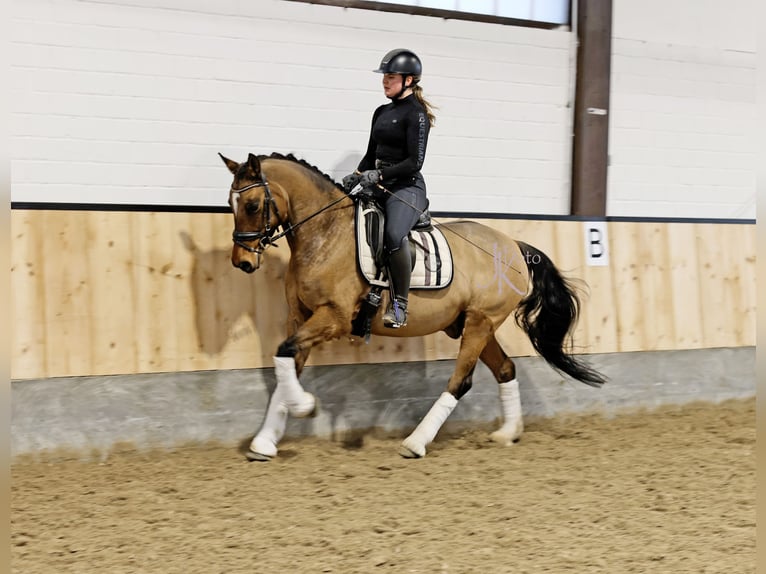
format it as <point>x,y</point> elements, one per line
<point>399,272</point>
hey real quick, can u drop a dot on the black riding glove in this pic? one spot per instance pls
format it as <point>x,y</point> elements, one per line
<point>351,180</point>
<point>370,177</point>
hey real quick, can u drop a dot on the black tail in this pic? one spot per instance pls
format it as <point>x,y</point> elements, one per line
<point>549,313</point>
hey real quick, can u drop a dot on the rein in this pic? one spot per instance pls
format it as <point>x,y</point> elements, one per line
<point>267,237</point>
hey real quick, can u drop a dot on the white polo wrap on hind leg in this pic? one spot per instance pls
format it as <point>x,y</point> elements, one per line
<point>425,432</point>
<point>510,403</point>
<point>273,427</point>
<point>299,402</point>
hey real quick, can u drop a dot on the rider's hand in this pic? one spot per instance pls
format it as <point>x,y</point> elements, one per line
<point>350,181</point>
<point>370,177</point>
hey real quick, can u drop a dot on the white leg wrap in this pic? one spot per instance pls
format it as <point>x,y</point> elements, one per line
<point>513,424</point>
<point>273,427</point>
<point>425,432</point>
<point>299,402</point>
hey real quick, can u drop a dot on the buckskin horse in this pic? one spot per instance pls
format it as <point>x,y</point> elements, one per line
<point>325,291</point>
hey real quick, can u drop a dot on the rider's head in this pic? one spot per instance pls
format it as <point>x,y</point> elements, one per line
<point>397,66</point>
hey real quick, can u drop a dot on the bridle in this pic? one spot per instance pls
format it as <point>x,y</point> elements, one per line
<point>267,237</point>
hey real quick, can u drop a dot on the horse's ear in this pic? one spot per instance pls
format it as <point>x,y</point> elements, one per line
<point>232,165</point>
<point>254,164</point>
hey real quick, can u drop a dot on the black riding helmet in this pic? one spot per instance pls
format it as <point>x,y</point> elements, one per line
<point>404,62</point>
<point>400,61</point>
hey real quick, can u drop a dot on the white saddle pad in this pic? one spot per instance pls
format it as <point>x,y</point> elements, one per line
<point>433,258</point>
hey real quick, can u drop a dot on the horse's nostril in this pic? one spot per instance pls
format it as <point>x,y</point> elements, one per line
<point>246,266</point>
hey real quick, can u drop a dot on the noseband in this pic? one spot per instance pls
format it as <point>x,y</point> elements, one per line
<point>265,237</point>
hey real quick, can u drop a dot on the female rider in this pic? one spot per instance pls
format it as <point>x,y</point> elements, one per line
<point>394,157</point>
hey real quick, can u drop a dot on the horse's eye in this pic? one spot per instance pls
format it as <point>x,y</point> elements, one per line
<point>251,207</point>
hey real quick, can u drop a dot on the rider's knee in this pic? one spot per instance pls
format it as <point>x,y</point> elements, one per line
<point>396,242</point>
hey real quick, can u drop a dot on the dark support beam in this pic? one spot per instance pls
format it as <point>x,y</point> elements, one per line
<point>590,155</point>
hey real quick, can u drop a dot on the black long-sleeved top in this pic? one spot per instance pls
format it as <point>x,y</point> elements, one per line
<point>398,139</point>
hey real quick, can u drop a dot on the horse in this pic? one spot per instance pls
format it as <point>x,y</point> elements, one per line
<point>274,196</point>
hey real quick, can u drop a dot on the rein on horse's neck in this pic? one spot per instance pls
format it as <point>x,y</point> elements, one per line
<point>307,204</point>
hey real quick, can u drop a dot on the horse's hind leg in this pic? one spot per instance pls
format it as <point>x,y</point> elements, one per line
<point>477,331</point>
<point>510,402</point>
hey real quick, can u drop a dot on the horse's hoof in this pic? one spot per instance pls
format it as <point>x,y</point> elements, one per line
<point>408,452</point>
<point>501,438</point>
<point>251,455</point>
<point>262,448</point>
<point>506,436</point>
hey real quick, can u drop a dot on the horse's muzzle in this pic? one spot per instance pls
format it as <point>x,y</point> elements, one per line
<point>246,266</point>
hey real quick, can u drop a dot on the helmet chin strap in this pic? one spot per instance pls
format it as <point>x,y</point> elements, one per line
<point>404,87</point>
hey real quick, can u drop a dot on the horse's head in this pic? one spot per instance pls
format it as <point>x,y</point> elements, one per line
<point>258,212</point>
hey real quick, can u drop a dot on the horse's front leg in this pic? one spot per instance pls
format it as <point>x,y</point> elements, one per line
<point>289,397</point>
<point>477,331</point>
<point>263,447</point>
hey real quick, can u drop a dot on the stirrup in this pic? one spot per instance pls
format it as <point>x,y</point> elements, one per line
<point>396,314</point>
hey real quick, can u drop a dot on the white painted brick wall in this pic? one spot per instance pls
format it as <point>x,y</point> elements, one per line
<point>128,101</point>
<point>682,130</point>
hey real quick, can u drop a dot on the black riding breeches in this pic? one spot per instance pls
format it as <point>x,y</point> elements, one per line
<point>403,209</point>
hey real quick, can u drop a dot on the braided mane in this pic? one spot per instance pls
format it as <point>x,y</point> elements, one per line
<point>312,168</point>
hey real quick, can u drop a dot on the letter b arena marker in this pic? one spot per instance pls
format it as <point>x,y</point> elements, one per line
<point>596,243</point>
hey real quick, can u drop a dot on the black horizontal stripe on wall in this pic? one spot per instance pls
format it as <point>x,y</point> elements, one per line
<point>51,206</point>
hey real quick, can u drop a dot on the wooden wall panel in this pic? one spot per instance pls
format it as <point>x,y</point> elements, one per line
<point>684,283</point>
<point>730,309</point>
<point>109,259</point>
<point>746,251</point>
<point>182,248</point>
<point>656,302</point>
<point>157,280</point>
<point>715,271</point>
<point>28,322</point>
<point>98,293</point>
<point>624,243</point>
<point>68,302</point>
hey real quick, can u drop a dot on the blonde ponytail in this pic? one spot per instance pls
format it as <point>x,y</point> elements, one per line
<point>418,92</point>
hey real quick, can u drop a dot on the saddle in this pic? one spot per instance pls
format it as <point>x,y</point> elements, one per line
<point>431,255</point>
<point>431,259</point>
